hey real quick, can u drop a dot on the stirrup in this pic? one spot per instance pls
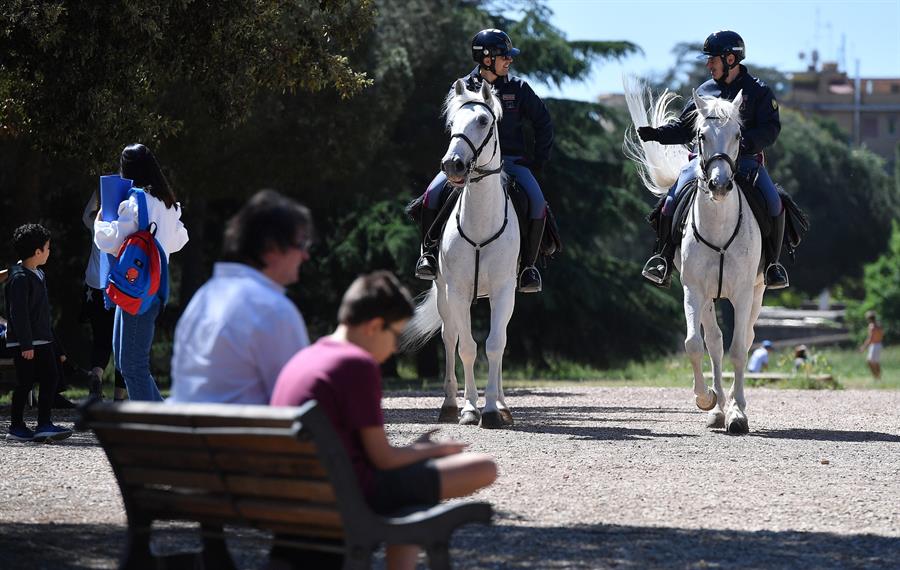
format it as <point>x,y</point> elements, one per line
<point>533,284</point>
<point>661,265</point>
<point>778,284</point>
<point>425,268</point>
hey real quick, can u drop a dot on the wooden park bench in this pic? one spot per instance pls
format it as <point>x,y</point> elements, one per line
<point>282,470</point>
<point>767,377</point>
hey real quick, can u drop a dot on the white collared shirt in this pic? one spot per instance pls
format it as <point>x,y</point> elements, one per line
<point>234,337</point>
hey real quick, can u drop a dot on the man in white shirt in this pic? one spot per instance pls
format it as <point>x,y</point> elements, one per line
<point>240,329</point>
<point>759,360</point>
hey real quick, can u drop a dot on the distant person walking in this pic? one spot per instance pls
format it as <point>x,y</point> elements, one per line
<point>873,343</point>
<point>94,311</point>
<point>759,360</point>
<point>133,334</point>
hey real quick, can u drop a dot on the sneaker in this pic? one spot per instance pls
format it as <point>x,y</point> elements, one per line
<point>51,432</point>
<point>19,433</point>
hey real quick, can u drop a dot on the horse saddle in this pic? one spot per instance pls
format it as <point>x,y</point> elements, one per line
<point>551,243</point>
<point>796,222</point>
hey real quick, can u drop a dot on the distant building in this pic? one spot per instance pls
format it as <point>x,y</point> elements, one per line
<point>866,109</point>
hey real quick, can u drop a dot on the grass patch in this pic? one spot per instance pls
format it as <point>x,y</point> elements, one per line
<point>846,366</point>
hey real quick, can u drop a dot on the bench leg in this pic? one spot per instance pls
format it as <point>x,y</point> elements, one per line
<point>439,556</point>
<point>137,551</point>
<point>358,558</point>
<point>215,551</point>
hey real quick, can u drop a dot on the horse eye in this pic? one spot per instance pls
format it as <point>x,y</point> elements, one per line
<point>702,137</point>
<point>737,137</point>
<point>482,121</point>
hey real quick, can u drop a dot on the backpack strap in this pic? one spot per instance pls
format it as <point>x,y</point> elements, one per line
<point>143,214</point>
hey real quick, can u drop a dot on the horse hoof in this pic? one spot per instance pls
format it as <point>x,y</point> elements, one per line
<point>738,426</point>
<point>470,418</point>
<point>715,420</point>
<point>491,420</point>
<point>448,415</point>
<point>707,401</point>
<point>506,416</point>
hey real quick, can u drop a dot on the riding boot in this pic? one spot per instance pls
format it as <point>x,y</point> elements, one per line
<point>426,267</point>
<point>658,269</point>
<point>776,275</point>
<point>530,278</point>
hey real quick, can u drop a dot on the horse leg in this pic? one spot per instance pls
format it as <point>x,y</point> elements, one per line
<point>467,352</point>
<point>694,305</point>
<point>449,410</point>
<point>713,336</point>
<point>495,413</point>
<point>735,417</point>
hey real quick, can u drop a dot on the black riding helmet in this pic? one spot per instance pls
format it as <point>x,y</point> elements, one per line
<point>492,43</point>
<point>721,44</point>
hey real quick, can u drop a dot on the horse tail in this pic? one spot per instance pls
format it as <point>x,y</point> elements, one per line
<point>658,165</point>
<point>424,324</point>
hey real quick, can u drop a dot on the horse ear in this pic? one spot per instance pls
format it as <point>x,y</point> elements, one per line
<point>698,102</point>
<point>738,99</point>
<point>486,91</point>
<point>459,87</point>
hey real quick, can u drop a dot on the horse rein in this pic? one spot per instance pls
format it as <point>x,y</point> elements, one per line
<point>720,250</point>
<point>477,151</point>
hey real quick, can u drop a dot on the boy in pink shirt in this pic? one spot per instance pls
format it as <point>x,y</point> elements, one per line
<point>341,372</point>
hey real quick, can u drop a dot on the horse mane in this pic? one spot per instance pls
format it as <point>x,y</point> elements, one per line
<point>454,103</point>
<point>718,109</point>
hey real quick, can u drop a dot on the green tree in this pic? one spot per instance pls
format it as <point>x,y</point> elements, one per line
<point>882,282</point>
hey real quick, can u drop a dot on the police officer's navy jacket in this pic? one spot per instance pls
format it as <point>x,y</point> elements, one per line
<point>759,112</point>
<point>519,102</point>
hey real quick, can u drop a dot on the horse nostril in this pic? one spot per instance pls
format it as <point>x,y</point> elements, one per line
<point>458,165</point>
<point>729,186</point>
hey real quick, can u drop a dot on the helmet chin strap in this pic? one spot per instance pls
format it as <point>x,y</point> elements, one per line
<point>492,67</point>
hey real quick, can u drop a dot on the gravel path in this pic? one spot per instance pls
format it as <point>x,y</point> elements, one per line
<point>589,478</point>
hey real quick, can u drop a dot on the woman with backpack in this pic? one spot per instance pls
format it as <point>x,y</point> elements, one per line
<point>133,333</point>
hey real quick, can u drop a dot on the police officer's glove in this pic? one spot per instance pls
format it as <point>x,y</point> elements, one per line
<point>648,134</point>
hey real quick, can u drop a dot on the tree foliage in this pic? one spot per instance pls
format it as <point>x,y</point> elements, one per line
<point>882,284</point>
<point>77,78</point>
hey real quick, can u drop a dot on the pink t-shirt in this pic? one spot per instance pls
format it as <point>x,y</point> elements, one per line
<point>346,382</point>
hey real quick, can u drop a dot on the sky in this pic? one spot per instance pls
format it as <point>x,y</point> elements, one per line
<point>775,33</point>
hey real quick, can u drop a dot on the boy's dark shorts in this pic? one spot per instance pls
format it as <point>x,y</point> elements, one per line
<point>418,484</point>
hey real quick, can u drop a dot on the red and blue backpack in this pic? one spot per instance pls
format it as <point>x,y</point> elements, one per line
<point>139,273</point>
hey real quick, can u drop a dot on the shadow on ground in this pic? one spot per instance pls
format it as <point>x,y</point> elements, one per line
<point>502,546</point>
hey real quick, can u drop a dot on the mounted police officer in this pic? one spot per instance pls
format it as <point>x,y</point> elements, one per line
<point>724,50</point>
<point>493,51</point>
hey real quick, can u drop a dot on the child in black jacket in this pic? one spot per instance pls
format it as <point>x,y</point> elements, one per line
<point>30,335</point>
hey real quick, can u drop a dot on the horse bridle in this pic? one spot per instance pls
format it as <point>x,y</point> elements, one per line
<point>476,152</point>
<point>706,163</point>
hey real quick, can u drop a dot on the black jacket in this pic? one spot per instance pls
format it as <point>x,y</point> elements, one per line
<point>759,112</point>
<point>27,308</point>
<point>519,102</point>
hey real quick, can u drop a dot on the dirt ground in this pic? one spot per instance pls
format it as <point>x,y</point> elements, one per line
<point>589,478</point>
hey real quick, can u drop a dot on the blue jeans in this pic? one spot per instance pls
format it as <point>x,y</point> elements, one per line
<point>748,167</point>
<point>132,339</point>
<point>523,175</point>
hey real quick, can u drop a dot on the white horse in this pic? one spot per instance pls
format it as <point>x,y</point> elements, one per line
<point>721,248</point>
<point>478,258</point>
